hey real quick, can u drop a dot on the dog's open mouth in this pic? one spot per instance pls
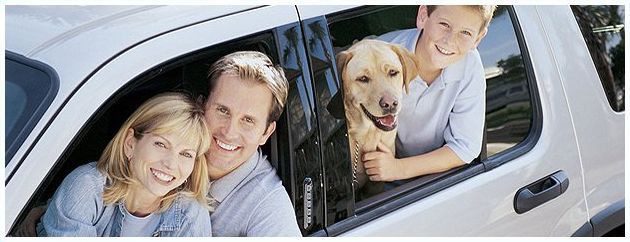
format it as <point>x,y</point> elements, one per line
<point>385,123</point>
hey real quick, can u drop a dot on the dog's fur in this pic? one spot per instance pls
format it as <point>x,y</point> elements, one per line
<point>374,74</point>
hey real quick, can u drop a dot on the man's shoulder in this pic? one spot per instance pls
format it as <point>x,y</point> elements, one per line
<point>262,180</point>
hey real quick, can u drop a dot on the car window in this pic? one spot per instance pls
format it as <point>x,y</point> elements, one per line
<point>30,87</point>
<point>509,120</point>
<point>185,73</point>
<point>603,30</point>
<point>508,99</point>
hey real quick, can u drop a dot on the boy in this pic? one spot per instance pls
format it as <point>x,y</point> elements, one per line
<point>441,125</point>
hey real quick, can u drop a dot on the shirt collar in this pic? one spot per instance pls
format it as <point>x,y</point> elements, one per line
<point>452,73</point>
<point>222,187</point>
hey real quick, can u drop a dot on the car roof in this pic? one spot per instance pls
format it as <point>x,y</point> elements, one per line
<point>32,30</point>
<point>75,40</point>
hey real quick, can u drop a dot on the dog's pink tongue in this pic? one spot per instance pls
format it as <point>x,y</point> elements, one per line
<point>387,120</point>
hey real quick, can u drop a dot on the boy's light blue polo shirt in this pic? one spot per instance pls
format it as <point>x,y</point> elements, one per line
<point>451,111</point>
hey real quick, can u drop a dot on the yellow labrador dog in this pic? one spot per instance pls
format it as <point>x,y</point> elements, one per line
<point>374,74</point>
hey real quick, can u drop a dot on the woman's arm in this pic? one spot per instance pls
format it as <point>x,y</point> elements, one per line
<point>74,208</point>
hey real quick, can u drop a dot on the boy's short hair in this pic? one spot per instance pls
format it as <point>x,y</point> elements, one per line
<point>485,11</point>
<point>256,66</point>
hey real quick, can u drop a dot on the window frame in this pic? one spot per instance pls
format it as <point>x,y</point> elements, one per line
<point>57,173</point>
<point>426,186</point>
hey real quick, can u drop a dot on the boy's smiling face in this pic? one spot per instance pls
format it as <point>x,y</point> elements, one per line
<point>449,33</point>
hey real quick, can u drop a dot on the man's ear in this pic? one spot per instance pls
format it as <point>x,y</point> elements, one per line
<point>480,36</point>
<point>409,63</point>
<point>130,143</point>
<point>423,16</point>
<point>270,129</point>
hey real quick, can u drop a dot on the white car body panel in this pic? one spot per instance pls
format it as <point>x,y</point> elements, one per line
<point>114,75</point>
<point>444,214</point>
<point>589,109</point>
<point>580,135</point>
<point>108,34</point>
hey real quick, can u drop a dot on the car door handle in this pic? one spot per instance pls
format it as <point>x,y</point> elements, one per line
<point>541,191</point>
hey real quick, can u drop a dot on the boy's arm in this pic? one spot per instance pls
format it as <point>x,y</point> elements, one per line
<point>381,165</point>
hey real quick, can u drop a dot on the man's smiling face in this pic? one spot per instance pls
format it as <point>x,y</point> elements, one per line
<point>236,112</point>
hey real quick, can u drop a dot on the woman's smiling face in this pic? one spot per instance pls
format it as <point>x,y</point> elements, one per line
<point>161,162</point>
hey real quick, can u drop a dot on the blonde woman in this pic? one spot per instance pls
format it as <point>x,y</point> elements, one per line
<point>151,180</point>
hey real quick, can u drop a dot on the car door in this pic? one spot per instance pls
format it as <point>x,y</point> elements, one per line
<point>528,180</point>
<point>114,89</point>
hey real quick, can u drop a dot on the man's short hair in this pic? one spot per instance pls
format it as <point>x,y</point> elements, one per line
<point>254,65</point>
<point>485,11</point>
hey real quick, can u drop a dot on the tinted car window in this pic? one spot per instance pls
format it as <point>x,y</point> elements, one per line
<point>29,88</point>
<point>298,132</point>
<point>603,30</point>
<point>508,104</point>
<point>509,111</point>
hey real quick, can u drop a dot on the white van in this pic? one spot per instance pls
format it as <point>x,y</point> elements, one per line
<point>552,162</point>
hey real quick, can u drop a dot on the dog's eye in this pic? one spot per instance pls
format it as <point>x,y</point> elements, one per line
<point>363,79</point>
<point>393,73</point>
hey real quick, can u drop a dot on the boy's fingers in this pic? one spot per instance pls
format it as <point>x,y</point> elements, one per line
<point>371,156</point>
<point>375,178</point>
<point>369,164</point>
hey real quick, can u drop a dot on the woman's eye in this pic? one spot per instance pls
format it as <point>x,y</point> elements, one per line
<point>187,155</point>
<point>159,144</point>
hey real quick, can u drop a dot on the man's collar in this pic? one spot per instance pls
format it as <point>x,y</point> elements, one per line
<point>222,187</point>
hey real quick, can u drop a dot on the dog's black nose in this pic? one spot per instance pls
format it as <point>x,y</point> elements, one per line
<point>388,102</point>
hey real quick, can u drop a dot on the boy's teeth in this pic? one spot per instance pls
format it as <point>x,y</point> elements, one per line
<point>444,51</point>
<point>226,146</point>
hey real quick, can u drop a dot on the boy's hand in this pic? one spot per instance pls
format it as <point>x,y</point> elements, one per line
<point>381,165</point>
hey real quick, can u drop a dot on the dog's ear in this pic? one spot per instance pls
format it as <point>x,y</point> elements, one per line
<point>335,106</point>
<point>409,63</point>
<point>342,60</point>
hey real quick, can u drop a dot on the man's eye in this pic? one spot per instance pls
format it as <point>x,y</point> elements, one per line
<point>444,24</point>
<point>159,144</point>
<point>393,73</point>
<point>222,110</point>
<point>249,120</point>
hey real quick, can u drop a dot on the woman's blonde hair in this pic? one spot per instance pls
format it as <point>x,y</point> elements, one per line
<point>174,112</point>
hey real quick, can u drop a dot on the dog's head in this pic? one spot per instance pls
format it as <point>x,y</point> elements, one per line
<point>374,74</point>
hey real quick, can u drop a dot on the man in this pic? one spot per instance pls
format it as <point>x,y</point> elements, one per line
<point>246,97</point>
